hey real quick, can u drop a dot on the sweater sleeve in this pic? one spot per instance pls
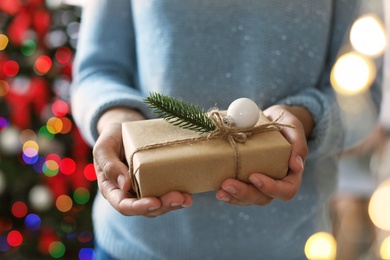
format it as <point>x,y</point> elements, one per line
<point>104,71</point>
<point>341,122</point>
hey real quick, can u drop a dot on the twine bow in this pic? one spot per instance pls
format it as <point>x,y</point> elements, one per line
<point>222,131</point>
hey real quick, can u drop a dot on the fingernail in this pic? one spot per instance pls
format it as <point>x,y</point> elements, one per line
<point>256,181</point>
<point>175,204</point>
<point>230,189</point>
<point>224,198</point>
<point>153,208</point>
<point>121,181</point>
<point>300,161</point>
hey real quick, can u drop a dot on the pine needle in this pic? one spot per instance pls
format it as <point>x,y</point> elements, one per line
<point>179,113</point>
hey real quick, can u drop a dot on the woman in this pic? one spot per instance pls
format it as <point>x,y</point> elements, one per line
<point>209,53</point>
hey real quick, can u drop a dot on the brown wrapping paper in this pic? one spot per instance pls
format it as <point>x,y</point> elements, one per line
<point>197,166</point>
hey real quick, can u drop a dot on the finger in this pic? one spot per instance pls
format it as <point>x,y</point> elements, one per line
<point>172,201</point>
<point>284,189</point>
<point>112,168</point>
<point>122,200</point>
<point>236,192</point>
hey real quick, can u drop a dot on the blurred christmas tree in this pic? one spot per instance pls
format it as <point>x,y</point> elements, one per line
<point>46,175</point>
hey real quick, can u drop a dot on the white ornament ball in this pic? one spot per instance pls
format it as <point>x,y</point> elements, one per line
<point>243,113</point>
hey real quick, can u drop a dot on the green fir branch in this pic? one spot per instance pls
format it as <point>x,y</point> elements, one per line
<point>179,113</point>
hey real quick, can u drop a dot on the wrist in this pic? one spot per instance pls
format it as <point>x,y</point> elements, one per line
<point>304,116</point>
<point>118,115</point>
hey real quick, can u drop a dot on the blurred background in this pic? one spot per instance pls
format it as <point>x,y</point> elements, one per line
<point>47,180</point>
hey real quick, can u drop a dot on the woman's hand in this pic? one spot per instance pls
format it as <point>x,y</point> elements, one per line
<point>112,174</point>
<point>264,189</point>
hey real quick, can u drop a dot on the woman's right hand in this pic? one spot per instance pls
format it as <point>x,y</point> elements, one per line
<point>112,173</point>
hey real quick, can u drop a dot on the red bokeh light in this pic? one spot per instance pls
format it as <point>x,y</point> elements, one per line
<point>54,157</point>
<point>14,238</point>
<point>68,166</point>
<point>89,172</point>
<point>60,108</point>
<point>19,209</point>
<point>66,125</point>
<point>43,65</point>
<point>63,55</point>
<point>11,68</point>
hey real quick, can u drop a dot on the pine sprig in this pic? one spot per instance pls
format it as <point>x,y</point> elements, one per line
<point>179,113</point>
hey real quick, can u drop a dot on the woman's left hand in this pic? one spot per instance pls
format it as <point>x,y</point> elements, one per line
<point>264,189</point>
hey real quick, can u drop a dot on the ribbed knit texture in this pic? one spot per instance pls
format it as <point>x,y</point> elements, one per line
<point>210,52</point>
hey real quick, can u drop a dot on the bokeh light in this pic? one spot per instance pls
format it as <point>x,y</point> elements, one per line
<point>321,246</point>
<point>28,47</point>
<point>50,168</point>
<point>27,135</point>
<point>66,125</point>
<point>3,41</point>
<point>42,65</point>
<point>384,250</point>
<point>64,203</point>
<point>379,207</point>
<point>3,123</point>
<point>4,246</point>
<point>11,68</point>
<point>86,254</point>
<point>81,195</point>
<point>54,125</point>
<point>56,38</point>
<point>14,238</point>
<point>31,144</point>
<point>60,108</point>
<point>32,222</point>
<point>63,55</point>
<point>43,132</point>
<point>89,172</point>
<point>367,35</point>
<point>40,197</point>
<point>4,88</point>
<point>68,225</point>
<point>57,249</point>
<point>19,209</point>
<point>67,166</point>
<point>9,140</point>
<point>352,74</point>
<point>30,159</point>
<point>85,236</point>
<point>30,151</point>
<point>54,157</point>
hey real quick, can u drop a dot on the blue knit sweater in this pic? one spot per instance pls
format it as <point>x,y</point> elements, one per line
<point>210,52</point>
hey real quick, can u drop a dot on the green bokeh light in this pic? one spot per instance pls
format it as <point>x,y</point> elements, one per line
<point>81,195</point>
<point>57,249</point>
<point>28,47</point>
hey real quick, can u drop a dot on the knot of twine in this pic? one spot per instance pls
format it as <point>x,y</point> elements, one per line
<point>222,131</point>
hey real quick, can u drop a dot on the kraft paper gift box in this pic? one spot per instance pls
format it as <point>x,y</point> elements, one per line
<point>158,166</point>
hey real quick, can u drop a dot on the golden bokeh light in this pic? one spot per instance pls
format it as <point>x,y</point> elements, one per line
<point>379,207</point>
<point>385,248</point>
<point>352,74</point>
<point>321,246</point>
<point>368,36</point>
<point>3,41</point>
<point>64,203</point>
<point>31,145</point>
<point>54,125</point>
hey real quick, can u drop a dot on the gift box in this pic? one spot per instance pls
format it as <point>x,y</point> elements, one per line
<point>163,157</point>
